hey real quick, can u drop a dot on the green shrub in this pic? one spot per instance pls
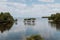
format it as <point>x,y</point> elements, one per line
<point>35,37</point>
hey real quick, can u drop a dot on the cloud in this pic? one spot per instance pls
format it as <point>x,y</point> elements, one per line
<point>23,10</point>
<point>3,7</point>
<point>46,0</point>
<point>17,5</point>
<point>3,0</point>
<point>55,5</point>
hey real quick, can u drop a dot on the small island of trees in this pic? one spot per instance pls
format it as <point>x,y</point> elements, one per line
<point>6,21</point>
<point>5,17</point>
<point>55,17</point>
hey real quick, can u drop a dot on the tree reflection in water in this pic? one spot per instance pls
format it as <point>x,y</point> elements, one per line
<point>29,23</point>
<point>5,27</point>
<point>56,25</point>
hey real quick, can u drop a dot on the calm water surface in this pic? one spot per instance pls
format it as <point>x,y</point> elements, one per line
<point>20,30</point>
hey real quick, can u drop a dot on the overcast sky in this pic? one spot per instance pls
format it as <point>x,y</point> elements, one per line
<point>30,8</point>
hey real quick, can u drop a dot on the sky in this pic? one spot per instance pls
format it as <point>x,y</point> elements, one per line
<point>30,8</point>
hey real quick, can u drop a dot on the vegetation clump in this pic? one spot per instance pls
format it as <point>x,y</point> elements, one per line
<point>30,19</point>
<point>6,17</point>
<point>55,17</point>
<point>35,37</point>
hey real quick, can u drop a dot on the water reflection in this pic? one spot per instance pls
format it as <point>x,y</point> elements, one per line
<point>16,22</point>
<point>55,25</point>
<point>29,23</point>
<point>31,31</point>
<point>5,27</point>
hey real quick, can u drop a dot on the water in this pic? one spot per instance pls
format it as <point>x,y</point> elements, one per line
<point>21,30</point>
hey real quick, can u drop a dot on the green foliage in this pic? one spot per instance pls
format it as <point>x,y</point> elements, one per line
<point>6,21</point>
<point>30,19</point>
<point>6,17</point>
<point>52,17</point>
<point>55,17</point>
<point>35,37</point>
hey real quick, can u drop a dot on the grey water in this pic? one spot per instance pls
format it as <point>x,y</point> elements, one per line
<point>21,30</point>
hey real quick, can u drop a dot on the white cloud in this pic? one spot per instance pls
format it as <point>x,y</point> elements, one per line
<point>3,0</point>
<point>20,9</point>
<point>17,5</point>
<point>46,0</point>
<point>55,5</point>
<point>3,7</point>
